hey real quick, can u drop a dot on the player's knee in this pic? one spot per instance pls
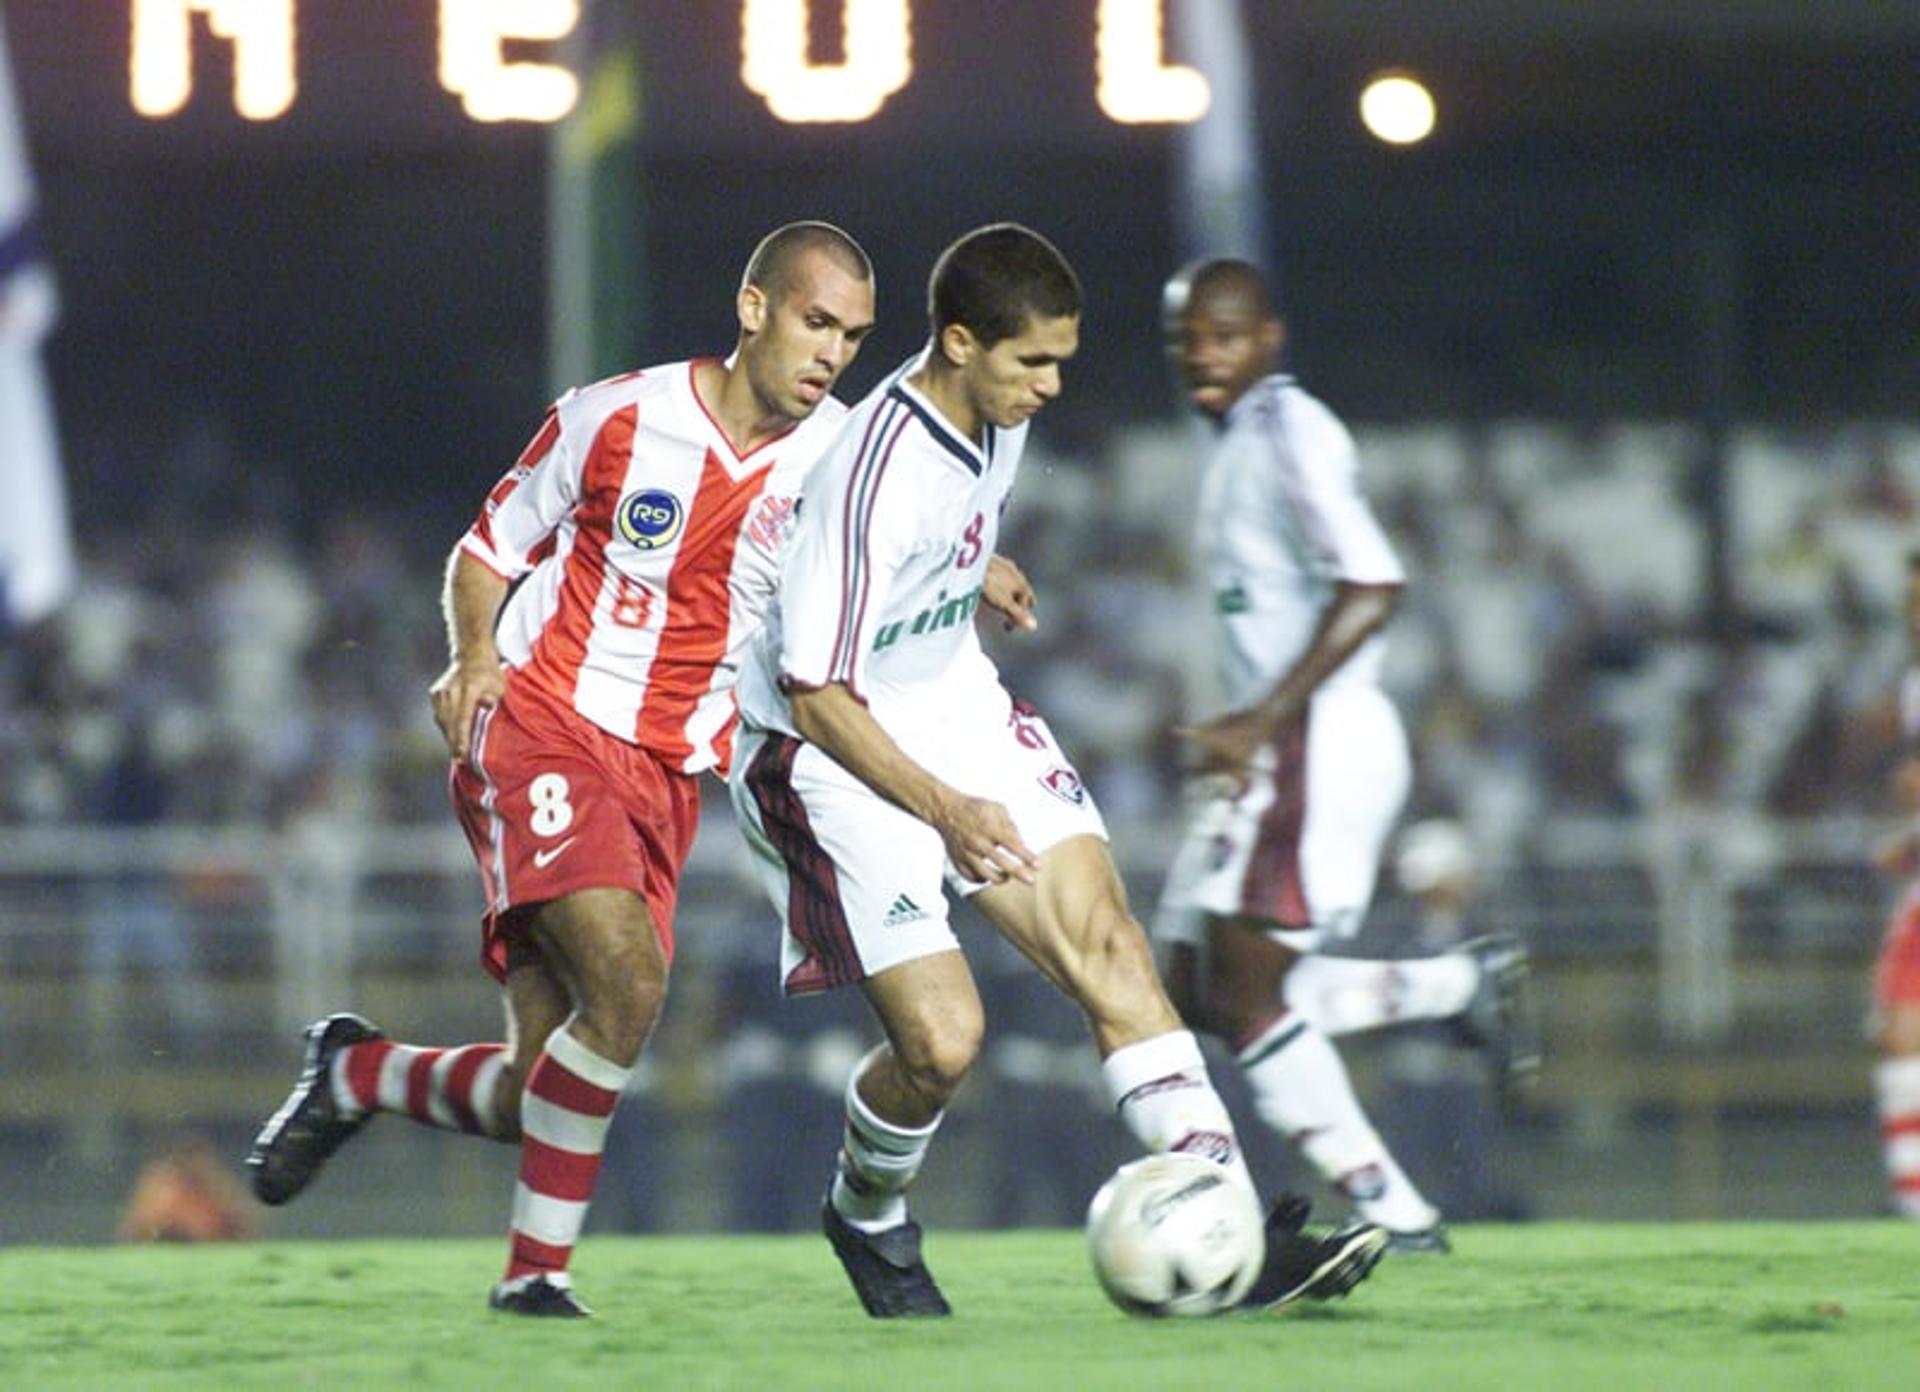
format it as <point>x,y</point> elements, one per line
<point>620,1003</point>
<point>1242,978</point>
<point>936,1057</point>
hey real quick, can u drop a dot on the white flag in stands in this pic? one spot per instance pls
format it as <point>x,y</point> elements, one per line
<point>36,545</point>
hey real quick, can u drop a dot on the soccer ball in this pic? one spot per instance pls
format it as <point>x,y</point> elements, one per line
<point>1175,1235</point>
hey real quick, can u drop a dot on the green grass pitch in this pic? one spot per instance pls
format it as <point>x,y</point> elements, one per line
<point>1628,1308</point>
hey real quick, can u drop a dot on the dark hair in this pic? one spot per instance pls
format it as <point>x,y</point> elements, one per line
<point>994,278</point>
<point>772,261</point>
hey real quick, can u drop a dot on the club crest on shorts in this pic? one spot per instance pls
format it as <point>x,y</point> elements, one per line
<point>1064,784</point>
<point>650,518</point>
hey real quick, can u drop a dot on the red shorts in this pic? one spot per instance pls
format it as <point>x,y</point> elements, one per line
<point>551,804</point>
<point>1896,974</point>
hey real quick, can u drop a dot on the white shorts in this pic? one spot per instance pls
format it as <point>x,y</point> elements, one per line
<point>859,883</point>
<point>1301,847</point>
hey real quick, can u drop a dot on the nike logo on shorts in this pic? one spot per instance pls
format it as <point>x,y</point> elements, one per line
<point>543,858</point>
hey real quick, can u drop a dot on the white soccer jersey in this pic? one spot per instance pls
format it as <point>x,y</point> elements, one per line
<point>1281,520</point>
<point>649,548</point>
<point>1910,707</point>
<point>882,574</point>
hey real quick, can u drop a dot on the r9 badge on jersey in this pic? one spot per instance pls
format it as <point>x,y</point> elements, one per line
<point>649,519</point>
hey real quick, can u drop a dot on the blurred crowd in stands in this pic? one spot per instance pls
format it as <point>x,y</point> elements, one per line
<point>242,658</point>
<point>238,656</point>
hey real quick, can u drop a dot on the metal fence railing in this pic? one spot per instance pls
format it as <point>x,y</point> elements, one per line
<point>155,979</point>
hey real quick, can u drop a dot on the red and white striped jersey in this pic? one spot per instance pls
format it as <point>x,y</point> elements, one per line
<point>649,549</point>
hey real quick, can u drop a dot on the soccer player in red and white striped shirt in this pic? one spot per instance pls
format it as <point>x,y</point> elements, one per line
<point>597,611</point>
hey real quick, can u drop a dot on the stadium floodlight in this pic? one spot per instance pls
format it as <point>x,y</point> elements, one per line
<point>1397,108</point>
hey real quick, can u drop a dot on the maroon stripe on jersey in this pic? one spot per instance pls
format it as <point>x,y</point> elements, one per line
<point>815,916</point>
<point>1275,889</point>
<point>565,1089</point>
<point>1897,1127</point>
<point>856,579</point>
<point>850,566</point>
<point>554,1173</point>
<point>693,640</point>
<point>460,1084</point>
<point>562,644</point>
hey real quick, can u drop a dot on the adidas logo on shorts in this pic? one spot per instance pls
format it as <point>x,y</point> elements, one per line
<point>902,910</point>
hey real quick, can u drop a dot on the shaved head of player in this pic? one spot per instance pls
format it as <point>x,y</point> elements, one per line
<point>805,304</point>
<point>1222,332</point>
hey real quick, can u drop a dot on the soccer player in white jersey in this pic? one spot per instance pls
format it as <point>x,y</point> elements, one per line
<point>1299,783</point>
<point>882,763</point>
<point>1896,976</point>
<point>597,611</point>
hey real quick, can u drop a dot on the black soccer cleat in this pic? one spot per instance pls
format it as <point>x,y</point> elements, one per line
<point>1300,1266</point>
<point>1500,1017</point>
<point>542,1296</point>
<point>298,1138</point>
<point>885,1267</point>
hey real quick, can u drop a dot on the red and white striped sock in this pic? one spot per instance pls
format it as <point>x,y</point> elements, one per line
<point>564,1115</point>
<point>1897,1080</point>
<point>452,1089</point>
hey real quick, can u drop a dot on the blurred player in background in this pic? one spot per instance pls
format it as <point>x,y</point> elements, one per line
<point>1896,980</point>
<point>1299,783</point>
<point>882,764</point>
<point>596,612</point>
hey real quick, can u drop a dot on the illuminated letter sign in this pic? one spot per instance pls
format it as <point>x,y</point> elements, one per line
<point>161,62</point>
<point>774,63</point>
<point>1132,80</point>
<point>491,89</point>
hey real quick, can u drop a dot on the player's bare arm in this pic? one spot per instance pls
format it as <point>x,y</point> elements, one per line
<point>981,839</point>
<point>1007,591</point>
<point>1227,744</point>
<point>471,600</point>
